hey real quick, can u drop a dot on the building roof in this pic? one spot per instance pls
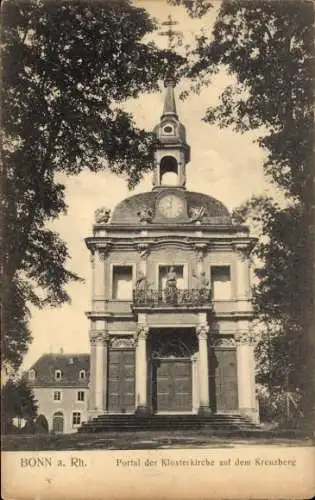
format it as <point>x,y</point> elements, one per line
<point>70,366</point>
<point>127,211</point>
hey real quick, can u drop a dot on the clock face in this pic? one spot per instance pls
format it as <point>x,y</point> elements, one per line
<point>171,206</point>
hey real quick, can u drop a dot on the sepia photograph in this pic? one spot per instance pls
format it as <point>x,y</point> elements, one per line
<point>157,244</point>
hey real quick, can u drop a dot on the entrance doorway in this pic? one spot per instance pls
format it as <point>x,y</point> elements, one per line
<point>223,379</point>
<point>121,380</point>
<point>172,382</point>
<point>171,369</point>
<point>58,422</point>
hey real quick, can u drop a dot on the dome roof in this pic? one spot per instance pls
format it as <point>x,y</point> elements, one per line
<point>127,211</point>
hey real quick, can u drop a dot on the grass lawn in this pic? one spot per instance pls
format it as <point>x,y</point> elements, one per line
<point>146,440</point>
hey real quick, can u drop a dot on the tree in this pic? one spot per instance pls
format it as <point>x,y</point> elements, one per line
<point>282,349</point>
<point>268,48</point>
<point>67,69</point>
<point>18,400</point>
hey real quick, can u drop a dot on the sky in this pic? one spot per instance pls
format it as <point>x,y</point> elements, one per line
<point>224,164</point>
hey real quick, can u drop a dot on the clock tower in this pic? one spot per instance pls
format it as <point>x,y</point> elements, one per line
<point>172,152</point>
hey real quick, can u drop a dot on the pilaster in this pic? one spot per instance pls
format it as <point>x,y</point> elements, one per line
<point>144,251</point>
<point>200,249</point>
<point>243,281</point>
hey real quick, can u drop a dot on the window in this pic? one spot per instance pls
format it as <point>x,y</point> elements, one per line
<point>122,282</point>
<point>31,375</point>
<point>166,271</point>
<point>221,282</point>
<point>168,171</point>
<point>81,396</point>
<point>76,418</point>
<point>57,395</point>
<point>82,375</point>
<point>58,374</point>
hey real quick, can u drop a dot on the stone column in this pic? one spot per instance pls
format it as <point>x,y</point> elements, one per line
<point>203,371</point>
<point>195,386</point>
<point>98,370</point>
<point>141,368</point>
<point>105,369</point>
<point>92,381</point>
<point>245,370</point>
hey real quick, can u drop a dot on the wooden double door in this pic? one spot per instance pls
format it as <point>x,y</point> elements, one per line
<point>223,379</point>
<point>121,380</point>
<point>172,384</point>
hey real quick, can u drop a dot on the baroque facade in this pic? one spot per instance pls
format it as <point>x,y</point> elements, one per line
<point>170,322</point>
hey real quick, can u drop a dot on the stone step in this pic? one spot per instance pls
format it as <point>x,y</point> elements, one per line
<point>131,422</point>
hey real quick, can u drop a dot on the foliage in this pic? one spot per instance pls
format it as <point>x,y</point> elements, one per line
<point>41,424</point>
<point>17,400</point>
<point>267,47</point>
<point>281,296</point>
<point>195,8</point>
<point>67,67</point>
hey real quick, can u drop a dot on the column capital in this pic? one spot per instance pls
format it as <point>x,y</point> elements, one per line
<point>98,336</point>
<point>141,332</point>
<point>202,331</point>
<point>143,249</point>
<point>103,250</point>
<point>244,337</point>
<point>245,247</point>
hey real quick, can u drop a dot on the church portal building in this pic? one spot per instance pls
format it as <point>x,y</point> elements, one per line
<point>170,319</point>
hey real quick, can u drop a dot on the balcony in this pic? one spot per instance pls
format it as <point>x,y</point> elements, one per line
<point>172,298</point>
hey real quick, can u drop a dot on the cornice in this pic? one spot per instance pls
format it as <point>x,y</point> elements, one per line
<point>170,225</point>
<point>97,315</point>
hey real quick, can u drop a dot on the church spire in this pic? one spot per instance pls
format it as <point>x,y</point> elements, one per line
<point>171,152</point>
<point>169,101</point>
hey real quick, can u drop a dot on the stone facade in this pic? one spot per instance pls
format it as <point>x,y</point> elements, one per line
<point>170,322</point>
<point>60,383</point>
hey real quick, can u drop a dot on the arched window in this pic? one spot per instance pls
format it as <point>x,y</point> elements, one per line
<point>82,375</point>
<point>168,171</point>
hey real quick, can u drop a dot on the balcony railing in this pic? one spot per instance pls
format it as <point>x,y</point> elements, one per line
<point>172,297</point>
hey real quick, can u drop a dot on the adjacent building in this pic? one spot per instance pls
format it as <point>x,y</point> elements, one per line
<point>171,311</point>
<point>60,383</point>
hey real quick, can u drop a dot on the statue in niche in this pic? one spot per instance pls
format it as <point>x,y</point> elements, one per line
<point>145,215</point>
<point>102,215</point>
<point>196,213</point>
<point>171,286</point>
<point>171,278</point>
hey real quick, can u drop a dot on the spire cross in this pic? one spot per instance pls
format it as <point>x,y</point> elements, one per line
<point>170,33</point>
